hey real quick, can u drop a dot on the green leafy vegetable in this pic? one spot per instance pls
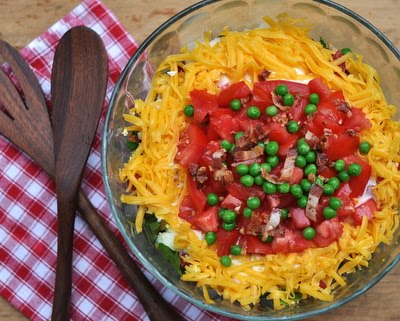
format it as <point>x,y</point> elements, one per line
<point>323,43</point>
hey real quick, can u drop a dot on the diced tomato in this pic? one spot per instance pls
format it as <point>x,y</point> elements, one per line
<point>237,90</point>
<point>206,157</point>
<point>290,242</point>
<point>358,121</point>
<point>347,208</point>
<point>342,145</point>
<point>261,97</point>
<point>318,87</point>
<point>225,239</point>
<point>191,149</point>
<point>273,200</point>
<point>187,209</point>
<point>204,103</point>
<point>326,172</point>
<point>366,209</point>
<point>208,220</point>
<point>253,245</point>
<point>197,196</point>
<point>224,124</point>
<point>358,183</point>
<point>286,140</point>
<point>299,218</point>
<point>231,202</point>
<point>297,175</point>
<point>327,232</point>
<point>238,190</point>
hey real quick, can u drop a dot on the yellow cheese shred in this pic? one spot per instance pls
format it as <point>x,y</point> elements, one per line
<point>157,185</point>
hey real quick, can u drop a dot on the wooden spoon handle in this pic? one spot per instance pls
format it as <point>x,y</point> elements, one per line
<point>154,304</point>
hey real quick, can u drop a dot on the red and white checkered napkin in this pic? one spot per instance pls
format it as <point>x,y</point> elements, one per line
<point>28,240</point>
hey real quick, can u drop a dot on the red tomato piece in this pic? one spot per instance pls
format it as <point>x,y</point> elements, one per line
<point>231,202</point>
<point>340,146</point>
<point>291,242</point>
<point>197,196</point>
<point>204,103</point>
<point>208,220</point>
<point>299,218</point>
<point>252,244</point>
<point>237,90</point>
<point>225,239</point>
<point>358,121</point>
<point>187,209</point>
<point>327,232</point>
<point>358,183</point>
<point>286,140</point>
<point>224,124</point>
<point>317,86</point>
<point>243,193</point>
<point>191,148</point>
<point>366,209</point>
<point>206,157</point>
<point>347,208</point>
<point>297,176</point>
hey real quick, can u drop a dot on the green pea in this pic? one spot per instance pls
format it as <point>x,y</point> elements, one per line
<point>267,167</point>
<point>253,202</point>
<point>258,180</point>
<point>212,199</point>
<point>132,145</point>
<point>247,180</point>
<point>225,144</point>
<point>334,182</point>
<point>364,147</point>
<point>271,111</point>
<point>310,169</point>
<point>235,104</point>
<point>242,169</point>
<point>269,188</point>
<point>310,157</point>
<point>305,185</point>
<point>281,90</point>
<point>302,148</point>
<point>228,226</point>
<point>310,109</point>
<point>313,98</point>
<point>319,181</point>
<point>309,233</point>
<point>335,203</point>
<point>328,189</point>
<point>284,188</point>
<point>292,127</point>
<point>236,250</point>
<point>296,190</point>
<point>254,169</point>
<point>329,213</point>
<point>269,239</point>
<point>354,169</point>
<point>210,238</point>
<point>271,148</point>
<point>343,176</point>
<point>339,165</point>
<point>226,260</point>
<point>273,161</point>
<point>288,99</point>
<point>247,212</point>
<point>221,212</point>
<point>302,201</point>
<point>229,216</point>
<point>253,112</point>
<point>300,161</point>
<point>284,213</point>
<point>345,51</point>
<point>238,135</point>
<point>232,148</point>
<point>188,110</point>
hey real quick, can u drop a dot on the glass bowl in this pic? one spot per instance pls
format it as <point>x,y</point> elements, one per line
<point>330,21</point>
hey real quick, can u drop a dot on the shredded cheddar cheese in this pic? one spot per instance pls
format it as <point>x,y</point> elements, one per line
<point>157,185</point>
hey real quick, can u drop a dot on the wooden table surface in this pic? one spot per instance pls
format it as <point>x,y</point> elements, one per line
<point>22,20</point>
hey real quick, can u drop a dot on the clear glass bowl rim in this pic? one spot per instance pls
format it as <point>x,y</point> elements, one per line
<point>142,48</point>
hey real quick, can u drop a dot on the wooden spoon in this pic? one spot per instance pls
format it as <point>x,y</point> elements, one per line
<point>35,138</point>
<point>78,86</point>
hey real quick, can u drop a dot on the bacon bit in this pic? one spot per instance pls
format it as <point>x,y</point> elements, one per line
<point>272,224</point>
<point>243,155</point>
<point>313,199</point>
<point>311,139</point>
<point>218,158</point>
<point>288,166</point>
<point>278,102</point>
<point>282,118</point>
<point>322,159</point>
<point>198,173</point>
<point>251,136</point>
<point>133,137</point>
<point>267,176</point>
<point>352,132</point>
<point>343,107</point>
<point>223,176</point>
<point>264,75</point>
<point>328,132</point>
<point>256,224</point>
<point>322,284</point>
